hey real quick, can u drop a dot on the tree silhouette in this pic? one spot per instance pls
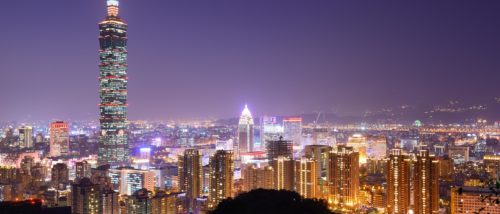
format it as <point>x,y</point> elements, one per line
<point>261,201</point>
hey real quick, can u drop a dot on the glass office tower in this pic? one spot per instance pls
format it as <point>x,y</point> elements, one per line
<point>113,144</point>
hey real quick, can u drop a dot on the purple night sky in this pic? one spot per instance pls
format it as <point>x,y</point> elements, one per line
<point>207,58</point>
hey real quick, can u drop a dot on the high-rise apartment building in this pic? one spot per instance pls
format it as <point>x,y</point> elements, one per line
<point>245,142</point>
<point>343,177</point>
<point>257,178</point>
<point>113,142</point>
<point>221,177</point>
<point>306,178</point>
<point>59,139</point>
<point>283,170</point>
<point>190,171</point>
<point>321,155</point>
<point>425,184</point>
<point>398,182</point>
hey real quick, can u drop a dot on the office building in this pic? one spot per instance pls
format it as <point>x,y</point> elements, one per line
<point>292,130</point>
<point>113,142</point>
<point>129,180</point>
<point>245,142</point>
<point>59,139</point>
<point>60,176</point>
<point>82,170</point>
<point>270,129</point>
<point>26,137</point>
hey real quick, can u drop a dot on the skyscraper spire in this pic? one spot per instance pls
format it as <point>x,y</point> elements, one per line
<point>113,7</point>
<point>245,133</point>
<point>113,141</point>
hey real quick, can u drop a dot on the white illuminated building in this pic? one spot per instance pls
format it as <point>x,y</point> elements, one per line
<point>270,129</point>
<point>245,133</point>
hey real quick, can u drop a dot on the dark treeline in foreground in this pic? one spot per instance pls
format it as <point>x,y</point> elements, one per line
<point>262,201</point>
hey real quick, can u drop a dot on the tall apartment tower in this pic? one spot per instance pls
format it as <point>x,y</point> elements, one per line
<point>113,142</point>
<point>221,177</point>
<point>59,138</point>
<point>321,155</point>
<point>343,176</point>
<point>257,178</point>
<point>398,182</point>
<point>306,178</point>
<point>245,133</point>
<point>426,184</point>
<point>283,173</point>
<point>190,171</point>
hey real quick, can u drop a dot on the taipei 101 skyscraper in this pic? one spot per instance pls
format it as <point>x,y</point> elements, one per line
<point>113,142</point>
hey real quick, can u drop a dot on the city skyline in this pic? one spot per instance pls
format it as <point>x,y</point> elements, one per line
<point>326,63</point>
<point>298,73</point>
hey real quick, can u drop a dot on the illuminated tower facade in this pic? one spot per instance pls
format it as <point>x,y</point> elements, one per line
<point>221,177</point>
<point>113,144</point>
<point>190,170</point>
<point>59,139</point>
<point>306,177</point>
<point>343,176</point>
<point>255,178</point>
<point>321,155</point>
<point>426,184</point>
<point>283,173</point>
<point>245,133</point>
<point>398,182</point>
